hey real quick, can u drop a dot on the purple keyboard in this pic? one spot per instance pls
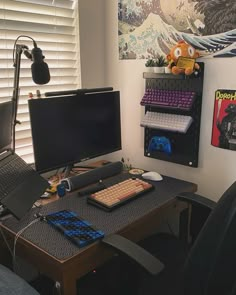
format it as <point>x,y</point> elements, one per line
<point>175,99</point>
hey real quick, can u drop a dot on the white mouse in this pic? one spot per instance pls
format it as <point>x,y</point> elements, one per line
<point>152,175</point>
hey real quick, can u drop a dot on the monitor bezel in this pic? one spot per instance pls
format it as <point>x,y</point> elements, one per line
<point>40,169</point>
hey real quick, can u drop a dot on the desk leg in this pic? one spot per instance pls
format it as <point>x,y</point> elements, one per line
<point>68,285</point>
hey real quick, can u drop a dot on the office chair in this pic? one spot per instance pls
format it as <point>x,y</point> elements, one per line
<point>12,284</point>
<point>207,268</point>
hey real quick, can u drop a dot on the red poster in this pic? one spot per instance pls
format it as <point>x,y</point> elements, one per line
<point>224,120</point>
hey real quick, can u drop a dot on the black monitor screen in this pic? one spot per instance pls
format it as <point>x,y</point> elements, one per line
<point>71,129</point>
<point>6,109</point>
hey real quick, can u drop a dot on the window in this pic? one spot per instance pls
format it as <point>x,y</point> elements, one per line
<point>54,25</point>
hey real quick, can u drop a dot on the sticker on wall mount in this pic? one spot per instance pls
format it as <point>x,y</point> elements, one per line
<point>224,120</point>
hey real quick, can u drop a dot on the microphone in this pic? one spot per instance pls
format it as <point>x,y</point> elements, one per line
<point>39,69</point>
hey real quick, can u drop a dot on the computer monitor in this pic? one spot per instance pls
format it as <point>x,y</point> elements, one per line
<point>71,129</point>
<point>6,125</point>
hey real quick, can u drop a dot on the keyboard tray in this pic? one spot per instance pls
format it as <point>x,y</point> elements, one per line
<point>119,194</point>
<point>79,231</point>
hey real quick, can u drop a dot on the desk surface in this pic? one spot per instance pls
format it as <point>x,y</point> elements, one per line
<point>48,239</point>
<point>45,242</point>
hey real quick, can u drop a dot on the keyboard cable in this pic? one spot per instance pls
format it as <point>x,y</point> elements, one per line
<point>6,242</point>
<point>39,217</point>
<point>12,252</point>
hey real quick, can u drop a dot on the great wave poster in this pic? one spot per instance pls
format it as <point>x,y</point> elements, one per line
<point>149,28</point>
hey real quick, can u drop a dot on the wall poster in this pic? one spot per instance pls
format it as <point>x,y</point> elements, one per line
<point>224,120</point>
<point>149,28</point>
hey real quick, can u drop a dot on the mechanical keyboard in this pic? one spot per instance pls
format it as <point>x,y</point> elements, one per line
<point>117,195</point>
<point>164,121</point>
<point>79,231</point>
<point>174,99</point>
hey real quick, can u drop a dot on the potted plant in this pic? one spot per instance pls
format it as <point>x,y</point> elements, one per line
<point>160,64</point>
<point>167,67</point>
<point>150,63</point>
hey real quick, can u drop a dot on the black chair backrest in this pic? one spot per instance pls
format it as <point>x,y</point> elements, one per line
<point>211,266</point>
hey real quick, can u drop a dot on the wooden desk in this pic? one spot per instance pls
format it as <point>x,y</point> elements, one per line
<point>135,221</point>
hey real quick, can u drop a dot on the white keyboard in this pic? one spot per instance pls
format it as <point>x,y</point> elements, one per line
<point>164,121</point>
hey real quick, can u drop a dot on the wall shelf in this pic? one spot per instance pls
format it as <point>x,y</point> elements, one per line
<point>150,75</point>
<point>185,146</point>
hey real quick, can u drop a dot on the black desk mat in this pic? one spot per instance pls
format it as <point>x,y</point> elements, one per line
<point>51,241</point>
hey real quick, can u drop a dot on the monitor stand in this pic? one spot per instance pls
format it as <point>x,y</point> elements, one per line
<point>69,168</point>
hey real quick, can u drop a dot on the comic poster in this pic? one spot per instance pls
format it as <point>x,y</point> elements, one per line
<point>224,120</point>
<point>150,28</point>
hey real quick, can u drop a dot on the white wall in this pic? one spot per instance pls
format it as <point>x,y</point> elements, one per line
<point>217,168</point>
<point>92,42</point>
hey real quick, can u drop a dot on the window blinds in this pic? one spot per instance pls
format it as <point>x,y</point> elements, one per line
<point>54,25</point>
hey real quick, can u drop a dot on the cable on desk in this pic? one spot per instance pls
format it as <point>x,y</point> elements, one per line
<point>57,288</point>
<point>39,218</point>
<point>38,215</point>
<point>6,242</point>
<point>9,248</point>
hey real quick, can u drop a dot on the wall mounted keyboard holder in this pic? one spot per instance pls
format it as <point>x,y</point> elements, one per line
<point>184,146</point>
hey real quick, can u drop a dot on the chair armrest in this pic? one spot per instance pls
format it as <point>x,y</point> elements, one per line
<point>150,263</point>
<point>196,200</point>
<point>201,208</point>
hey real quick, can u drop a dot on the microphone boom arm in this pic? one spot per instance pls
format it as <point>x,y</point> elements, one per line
<point>17,52</point>
<point>16,89</point>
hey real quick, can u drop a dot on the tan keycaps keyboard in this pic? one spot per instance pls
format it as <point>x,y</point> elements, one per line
<point>119,194</point>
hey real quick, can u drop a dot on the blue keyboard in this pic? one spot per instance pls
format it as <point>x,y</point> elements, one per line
<point>79,231</point>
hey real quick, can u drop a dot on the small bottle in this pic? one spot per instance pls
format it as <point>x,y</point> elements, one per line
<point>30,95</point>
<point>61,191</point>
<point>38,94</point>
